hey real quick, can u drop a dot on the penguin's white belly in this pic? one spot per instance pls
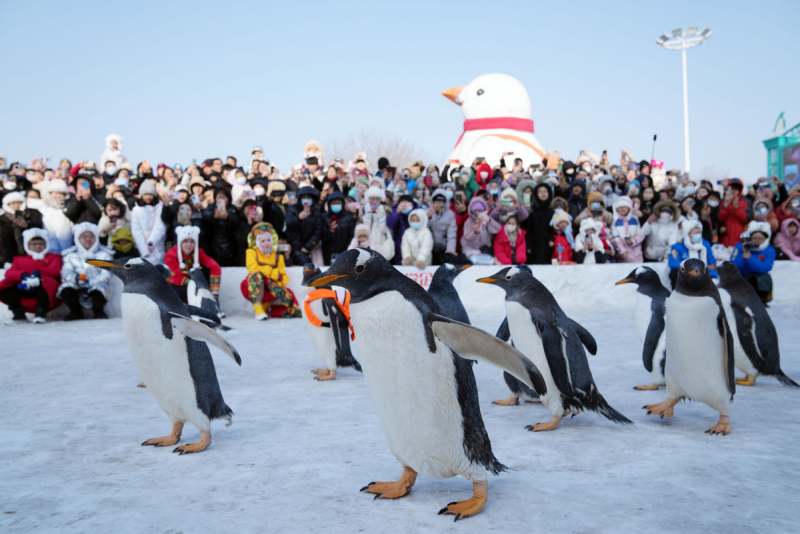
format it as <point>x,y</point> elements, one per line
<point>740,358</point>
<point>321,337</point>
<point>528,342</point>
<point>163,363</point>
<point>491,143</point>
<point>696,365</point>
<point>414,390</point>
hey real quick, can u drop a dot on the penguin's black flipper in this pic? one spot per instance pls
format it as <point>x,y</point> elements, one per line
<point>203,313</point>
<point>503,332</point>
<point>654,331</point>
<point>727,351</point>
<point>200,332</point>
<point>585,336</point>
<point>471,342</point>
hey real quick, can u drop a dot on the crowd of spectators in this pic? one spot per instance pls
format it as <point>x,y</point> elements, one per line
<point>223,212</point>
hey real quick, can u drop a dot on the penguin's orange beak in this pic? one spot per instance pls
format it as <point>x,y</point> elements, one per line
<point>103,264</point>
<point>626,280</point>
<point>325,279</point>
<point>452,94</point>
<point>487,280</point>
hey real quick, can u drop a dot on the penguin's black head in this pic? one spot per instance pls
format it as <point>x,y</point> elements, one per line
<point>511,278</point>
<point>447,272</point>
<point>644,277</point>
<point>361,271</point>
<point>131,272</point>
<point>728,273</point>
<point>693,275</point>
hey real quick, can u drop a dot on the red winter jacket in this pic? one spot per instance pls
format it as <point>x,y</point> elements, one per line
<point>734,219</point>
<point>562,251</point>
<point>49,269</point>
<point>503,251</point>
<point>180,276</point>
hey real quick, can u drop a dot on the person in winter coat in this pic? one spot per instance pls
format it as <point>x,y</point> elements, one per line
<point>461,211</point>
<point>417,243</point>
<point>763,212</point>
<point>691,246</point>
<point>15,218</point>
<point>510,245</point>
<point>187,255</point>
<point>508,203</point>
<point>788,240</point>
<point>483,174</point>
<point>374,218</point>
<point>538,232</point>
<point>562,238</point>
<point>596,209</point>
<point>732,214</point>
<point>589,248</point>
<point>121,244</point>
<point>755,257</point>
<point>220,222</point>
<point>479,230</point>
<point>443,227</point>
<point>54,218</point>
<point>31,282</point>
<point>626,232</point>
<point>360,237</point>
<point>84,285</point>
<point>304,224</point>
<point>338,228</point>
<point>577,198</point>
<point>83,207</point>
<point>115,216</point>
<point>397,221</point>
<point>148,229</point>
<point>660,231</point>
<point>113,151</point>
<point>267,284</point>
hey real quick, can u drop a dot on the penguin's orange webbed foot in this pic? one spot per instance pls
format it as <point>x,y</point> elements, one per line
<point>189,448</point>
<point>748,380</point>
<point>392,490</point>
<point>469,507</point>
<point>512,400</point>
<point>662,409</point>
<point>166,441</point>
<point>721,427</point>
<point>647,387</point>
<point>323,375</point>
<point>543,427</point>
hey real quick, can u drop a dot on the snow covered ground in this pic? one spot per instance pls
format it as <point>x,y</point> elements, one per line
<point>299,450</point>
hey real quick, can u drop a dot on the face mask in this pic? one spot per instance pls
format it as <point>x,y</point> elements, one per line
<point>507,202</point>
<point>241,180</point>
<point>763,211</point>
<point>111,170</point>
<point>9,186</point>
<point>336,208</point>
<point>713,203</point>
<point>416,225</point>
<point>596,206</point>
<point>665,217</point>
<point>795,204</point>
<point>405,211</point>
<point>123,246</point>
<point>696,238</point>
<point>259,191</point>
<point>448,195</point>
<point>306,201</point>
<point>526,198</point>
<point>353,193</point>
<point>493,192</point>
<point>510,228</point>
<point>484,175</point>
<point>606,190</point>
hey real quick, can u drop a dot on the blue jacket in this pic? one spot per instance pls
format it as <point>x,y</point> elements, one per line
<point>759,262</point>
<point>679,252</point>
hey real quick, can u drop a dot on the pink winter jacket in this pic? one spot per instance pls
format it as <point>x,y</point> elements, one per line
<point>790,245</point>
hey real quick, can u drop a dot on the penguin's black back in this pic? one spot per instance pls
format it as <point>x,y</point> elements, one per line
<point>446,297</point>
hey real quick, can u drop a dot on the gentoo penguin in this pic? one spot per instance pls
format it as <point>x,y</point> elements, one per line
<point>650,307</point>
<point>444,293</point>
<point>518,389</point>
<point>699,345</point>
<point>425,394</point>
<point>202,304</point>
<point>497,121</point>
<point>329,327</point>
<point>756,341</point>
<point>171,352</point>
<point>555,343</point>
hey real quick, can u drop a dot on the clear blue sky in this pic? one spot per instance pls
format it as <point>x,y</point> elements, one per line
<point>183,80</point>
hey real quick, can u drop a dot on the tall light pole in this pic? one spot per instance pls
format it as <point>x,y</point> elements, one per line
<point>683,39</point>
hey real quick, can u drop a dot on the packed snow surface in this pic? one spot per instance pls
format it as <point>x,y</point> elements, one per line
<point>299,450</point>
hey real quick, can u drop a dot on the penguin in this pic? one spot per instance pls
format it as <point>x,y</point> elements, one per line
<point>444,292</point>
<point>329,330</point>
<point>555,343</point>
<point>755,344</point>
<point>171,352</point>
<point>497,121</point>
<point>517,388</point>
<point>650,308</point>
<point>700,347</point>
<point>202,304</point>
<point>424,392</point>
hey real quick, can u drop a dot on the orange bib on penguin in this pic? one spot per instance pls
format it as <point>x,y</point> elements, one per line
<point>342,299</point>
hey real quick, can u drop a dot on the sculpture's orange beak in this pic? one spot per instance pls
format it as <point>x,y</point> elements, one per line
<point>452,94</point>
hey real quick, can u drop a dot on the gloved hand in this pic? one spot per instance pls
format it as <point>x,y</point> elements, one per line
<point>29,281</point>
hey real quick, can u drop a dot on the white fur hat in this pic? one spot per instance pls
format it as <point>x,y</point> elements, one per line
<point>31,233</point>
<point>57,186</point>
<point>375,192</point>
<point>589,224</point>
<point>757,226</point>
<point>560,215</point>
<point>14,196</point>
<point>622,201</point>
<point>84,227</point>
<point>690,224</point>
<point>148,187</point>
<point>182,233</point>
